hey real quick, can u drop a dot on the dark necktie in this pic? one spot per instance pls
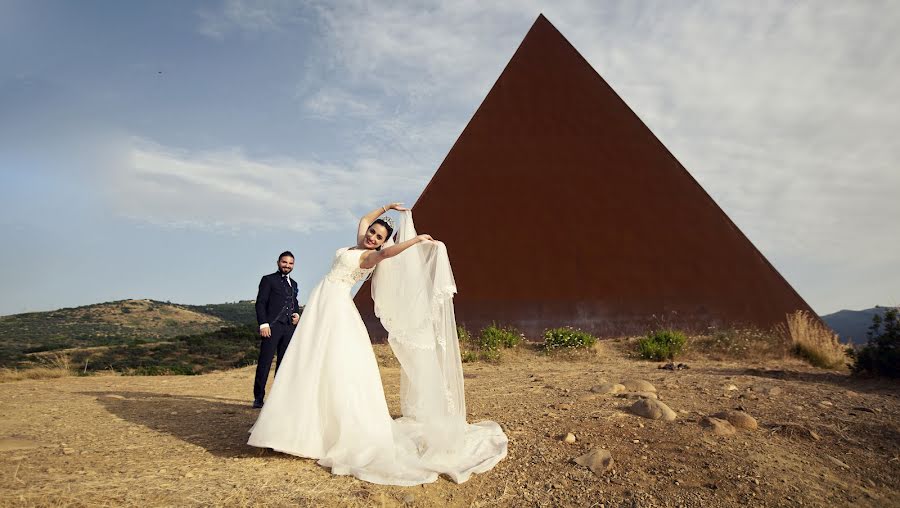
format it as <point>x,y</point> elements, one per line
<point>290,293</point>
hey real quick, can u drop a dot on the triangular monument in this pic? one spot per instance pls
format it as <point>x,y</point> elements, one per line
<point>560,207</point>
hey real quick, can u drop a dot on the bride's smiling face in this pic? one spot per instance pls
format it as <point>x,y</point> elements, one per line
<point>375,236</point>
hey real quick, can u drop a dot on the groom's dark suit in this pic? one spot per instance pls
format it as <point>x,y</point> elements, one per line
<point>275,303</point>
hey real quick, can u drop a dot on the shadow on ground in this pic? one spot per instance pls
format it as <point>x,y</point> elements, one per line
<point>220,426</point>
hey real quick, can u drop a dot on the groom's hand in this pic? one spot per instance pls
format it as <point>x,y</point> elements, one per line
<point>295,318</point>
<point>265,332</point>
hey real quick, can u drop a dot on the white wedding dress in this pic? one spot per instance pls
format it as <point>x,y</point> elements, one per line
<point>327,401</point>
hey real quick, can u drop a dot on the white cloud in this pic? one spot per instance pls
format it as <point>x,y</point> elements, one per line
<point>330,103</point>
<point>247,16</point>
<point>226,190</point>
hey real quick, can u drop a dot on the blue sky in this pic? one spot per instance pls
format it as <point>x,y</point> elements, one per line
<point>170,150</point>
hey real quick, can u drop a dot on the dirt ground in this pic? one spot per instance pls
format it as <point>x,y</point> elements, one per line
<point>824,439</point>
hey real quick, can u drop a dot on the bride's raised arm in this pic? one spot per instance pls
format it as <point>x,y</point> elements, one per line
<point>372,258</point>
<point>370,217</point>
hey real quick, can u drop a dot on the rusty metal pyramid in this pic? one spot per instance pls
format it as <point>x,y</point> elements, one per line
<point>560,207</point>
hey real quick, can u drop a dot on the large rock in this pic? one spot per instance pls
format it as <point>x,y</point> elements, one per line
<point>739,419</point>
<point>653,409</point>
<point>606,388</point>
<point>717,426</point>
<point>638,385</point>
<point>597,460</point>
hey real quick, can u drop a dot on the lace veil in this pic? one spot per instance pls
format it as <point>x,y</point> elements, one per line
<point>413,294</point>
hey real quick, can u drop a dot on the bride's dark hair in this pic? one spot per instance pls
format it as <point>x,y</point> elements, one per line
<point>387,226</point>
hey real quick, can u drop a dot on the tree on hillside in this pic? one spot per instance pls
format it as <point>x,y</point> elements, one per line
<point>881,356</point>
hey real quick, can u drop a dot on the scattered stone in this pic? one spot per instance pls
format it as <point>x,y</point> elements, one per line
<point>739,419</point>
<point>409,498</point>
<point>68,451</point>
<point>13,443</point>
<point>563,406</point>
<point>653,409</point>
<point>608,388</point>
<point>717,426</point>
<point>772,391</point>
<point>570,438</point>
<point>731,388</point>
<point>794,429</point>
<point>597,460</point>
<point>838,462</point>
<point>673,366</point>
<point>638,385</point>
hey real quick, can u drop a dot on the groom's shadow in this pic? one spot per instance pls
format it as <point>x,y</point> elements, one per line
<point>220,426</point>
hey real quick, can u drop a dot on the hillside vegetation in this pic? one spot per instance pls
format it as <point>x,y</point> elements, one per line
<point>120,323</point>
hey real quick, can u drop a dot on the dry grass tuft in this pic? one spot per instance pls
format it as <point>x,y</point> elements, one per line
<point>8,375</point>
<point>737,344</point>
<point>814,342</point>
<point>51,366</point>
<point>58,361</point>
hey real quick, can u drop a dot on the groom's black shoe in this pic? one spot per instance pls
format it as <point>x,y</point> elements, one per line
<point>257,404</point>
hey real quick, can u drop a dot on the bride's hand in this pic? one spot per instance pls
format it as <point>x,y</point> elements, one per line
<point>397,206</point>
<point>425,238</point>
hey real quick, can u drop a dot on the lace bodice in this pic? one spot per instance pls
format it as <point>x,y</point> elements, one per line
<point>345,268</point>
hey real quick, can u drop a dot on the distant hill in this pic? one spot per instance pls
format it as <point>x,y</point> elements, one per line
<point>852,325</point>
<point>113,323</point>
<point>239,313</point>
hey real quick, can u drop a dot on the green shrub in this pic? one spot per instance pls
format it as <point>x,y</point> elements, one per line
<point>464,336</point>
<point>488,344</point>
<point>469,356</point>
<point>494,337</point>
<point>881,355</point>
<point>661,345</point>
<point>567,338</point>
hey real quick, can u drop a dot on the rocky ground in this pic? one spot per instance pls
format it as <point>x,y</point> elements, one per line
<point>821,439</point>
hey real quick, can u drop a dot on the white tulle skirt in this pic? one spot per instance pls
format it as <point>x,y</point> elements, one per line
<point>327,403</point>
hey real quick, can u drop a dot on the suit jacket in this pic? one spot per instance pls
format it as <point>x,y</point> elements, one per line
<point>272,297</point>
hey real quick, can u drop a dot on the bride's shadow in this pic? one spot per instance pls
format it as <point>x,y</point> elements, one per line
<point>220,426</point>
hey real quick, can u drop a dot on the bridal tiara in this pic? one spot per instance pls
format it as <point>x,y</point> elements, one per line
<point>387,220</point>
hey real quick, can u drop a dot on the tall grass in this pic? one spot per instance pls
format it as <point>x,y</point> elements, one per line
<point>52,366</point>
<point>814,342</point>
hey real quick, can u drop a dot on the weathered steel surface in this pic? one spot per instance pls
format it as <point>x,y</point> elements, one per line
<point>560,207</point>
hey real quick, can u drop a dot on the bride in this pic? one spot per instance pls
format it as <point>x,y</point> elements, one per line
<point>327,401</point>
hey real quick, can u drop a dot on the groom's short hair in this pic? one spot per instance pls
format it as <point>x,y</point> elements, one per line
<point>286,253</point>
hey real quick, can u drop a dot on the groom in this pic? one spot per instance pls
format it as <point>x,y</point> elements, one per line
<point>277,312</point>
